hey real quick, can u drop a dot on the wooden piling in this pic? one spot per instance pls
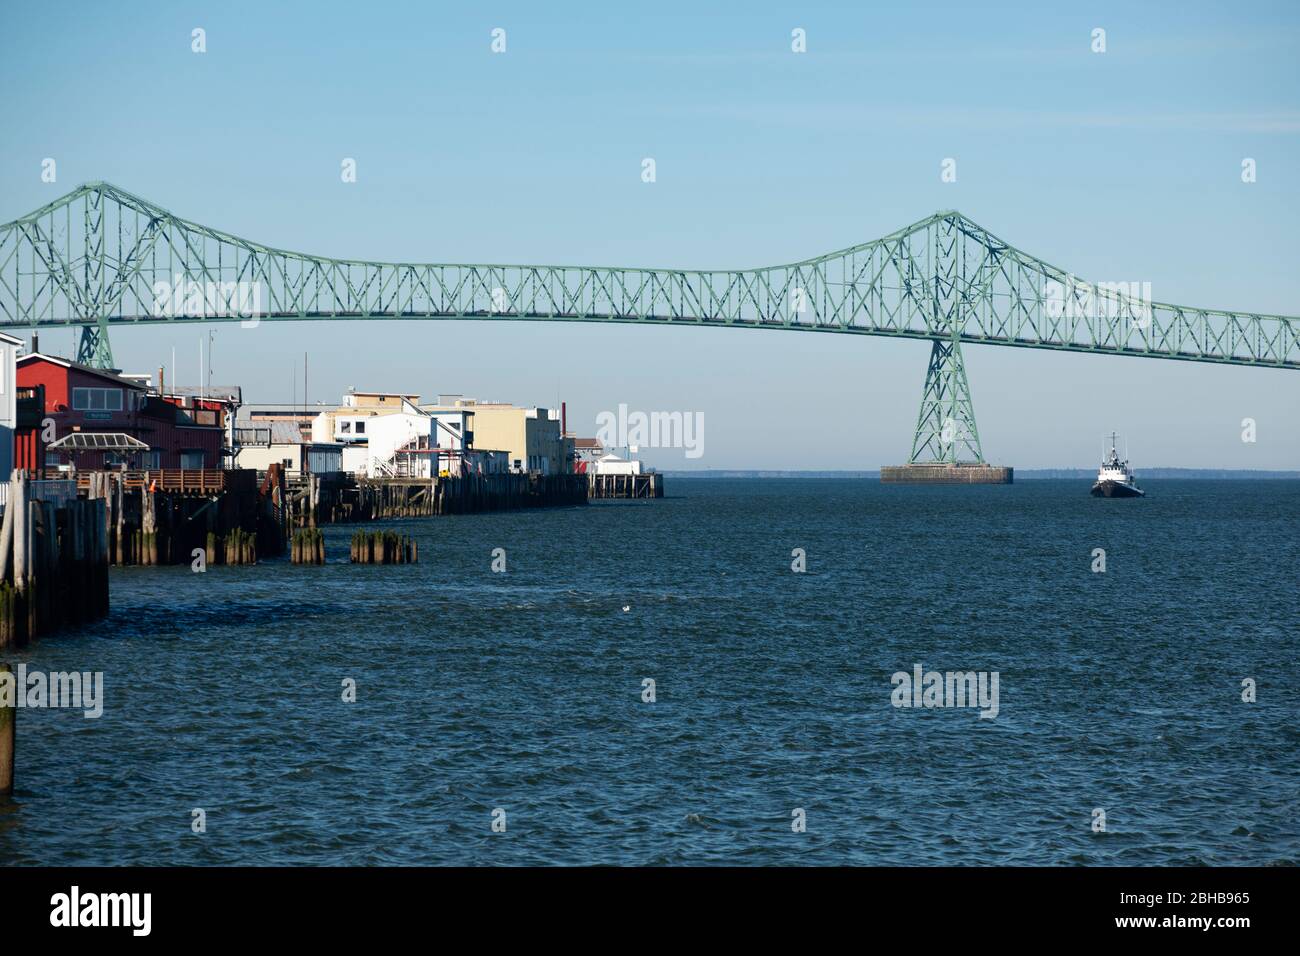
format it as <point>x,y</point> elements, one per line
<point>35,560</point>
<point>308,546</point>
<point>8,720</point>
<point>382,547</point>
<point>7,537</point>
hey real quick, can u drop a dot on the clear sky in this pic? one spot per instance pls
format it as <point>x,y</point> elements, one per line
<point>1119,166</point>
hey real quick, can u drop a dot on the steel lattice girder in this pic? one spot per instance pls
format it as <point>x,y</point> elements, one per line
<point>102,272</point>
<point>945,428</point>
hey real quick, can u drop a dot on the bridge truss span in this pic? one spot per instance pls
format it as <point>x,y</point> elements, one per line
<point>101,256</point>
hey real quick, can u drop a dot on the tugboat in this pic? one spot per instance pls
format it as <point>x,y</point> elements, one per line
<point>1115,479</point>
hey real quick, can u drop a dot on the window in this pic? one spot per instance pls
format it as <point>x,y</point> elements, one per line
<point>97,399</point>
<point>192,459</point>
<point>151,459</point>
<point>361,428</point>
<point>345,428</point>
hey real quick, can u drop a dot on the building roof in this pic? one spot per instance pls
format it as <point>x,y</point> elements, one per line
<point>217,393</point>
<point>110,374</point>
<point>263,412</point>
<point>6,337</point>
<point>287,433</point>
<point>592,443</point>
<point>97,441</point>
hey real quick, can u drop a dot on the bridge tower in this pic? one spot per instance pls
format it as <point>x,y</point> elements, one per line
<point>94,349</point>
<point>945,429</point>
<point>946,446</point>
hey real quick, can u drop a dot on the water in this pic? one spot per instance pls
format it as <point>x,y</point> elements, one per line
<point>476,691</point>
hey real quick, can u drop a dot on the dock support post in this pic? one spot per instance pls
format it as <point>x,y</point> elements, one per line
<point>8,715</point>
<point>7,537</point>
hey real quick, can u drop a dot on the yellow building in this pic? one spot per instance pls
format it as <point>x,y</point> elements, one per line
<point>380,401</point>
<point>530,436</point>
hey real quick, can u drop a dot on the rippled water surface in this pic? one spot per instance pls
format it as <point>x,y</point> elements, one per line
<point>522,691</point>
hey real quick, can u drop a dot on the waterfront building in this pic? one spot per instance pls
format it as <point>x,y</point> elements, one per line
<point>611,464</point>
<point>208,405</point>
<point>531,437</point>
<point>349,422</point>
<point>9,347</point>
<point>586,451</point>
<point>118,420</point>
<point>419,443</point>
<point>263,443</point>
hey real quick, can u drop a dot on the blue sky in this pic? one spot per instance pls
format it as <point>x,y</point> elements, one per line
<point>1118,166</point>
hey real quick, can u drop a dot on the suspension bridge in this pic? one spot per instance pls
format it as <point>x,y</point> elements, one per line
<point>101,257</point>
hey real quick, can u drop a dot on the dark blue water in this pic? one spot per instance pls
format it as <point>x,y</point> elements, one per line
<point>1119,691</point>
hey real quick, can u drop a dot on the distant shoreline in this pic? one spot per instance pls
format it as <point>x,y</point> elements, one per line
<point>1026,474</point>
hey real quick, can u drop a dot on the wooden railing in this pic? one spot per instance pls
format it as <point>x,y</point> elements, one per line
<point>197,481</point>
<point>58,491</point>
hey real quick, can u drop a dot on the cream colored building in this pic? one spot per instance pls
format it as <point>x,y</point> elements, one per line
<point>277,442</point>
<point>530,436</point>
<point>347,424</point>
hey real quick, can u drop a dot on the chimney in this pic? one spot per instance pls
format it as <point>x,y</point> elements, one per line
<point>36,343</point>
<point>564,419</point>
<point>162,390</point>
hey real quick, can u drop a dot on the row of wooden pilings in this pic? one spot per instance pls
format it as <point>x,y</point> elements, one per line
<point>53,572</point>
<point>648,485</point>
<point>237,547</point>
<point>334,498</point>
<point>53,560</point>
<point>307,546</point>
<point>384,547</point>
<point>154,524</point>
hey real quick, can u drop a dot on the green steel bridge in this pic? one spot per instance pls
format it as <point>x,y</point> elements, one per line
<point>101,257</point>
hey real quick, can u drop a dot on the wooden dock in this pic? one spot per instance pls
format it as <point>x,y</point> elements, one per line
<point>339,498</point>
<point>626,486</point>
<point>164,516</point>
<point>53,560</point>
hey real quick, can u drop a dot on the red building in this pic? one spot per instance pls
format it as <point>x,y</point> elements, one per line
<point>90,401</point>
<point>29,436</point>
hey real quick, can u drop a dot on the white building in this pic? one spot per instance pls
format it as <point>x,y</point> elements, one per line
<point>421,443</point>
<point>356,458</point>
<point>343,427</point>
<point>613,465</point>
<point>9,347</point>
